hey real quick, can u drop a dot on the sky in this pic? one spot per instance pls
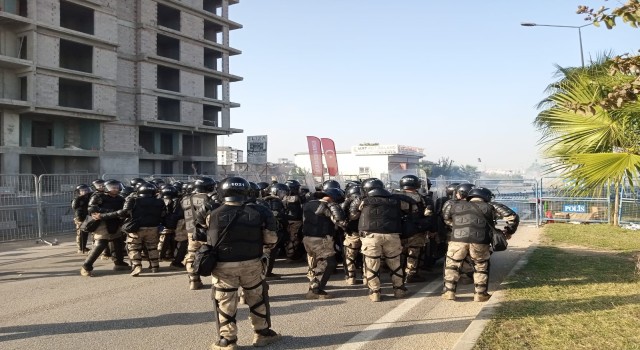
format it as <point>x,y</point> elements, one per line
<point>462,81</point>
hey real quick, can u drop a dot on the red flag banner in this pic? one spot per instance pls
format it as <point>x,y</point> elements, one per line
<point>329,148</point>
<point>315,153</point>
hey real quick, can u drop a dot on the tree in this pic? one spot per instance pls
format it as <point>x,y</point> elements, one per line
<point>589,141</point>
<point>442,167</point>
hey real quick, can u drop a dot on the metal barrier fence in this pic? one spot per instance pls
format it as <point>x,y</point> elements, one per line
<point>519,195</point>
<point>55,193</point>
<point>33,207</point>
<point>19,214</point>
<point>561,202</point>
<point>629,210</point>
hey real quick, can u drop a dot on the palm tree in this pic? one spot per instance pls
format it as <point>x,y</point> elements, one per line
<point>585,136</point>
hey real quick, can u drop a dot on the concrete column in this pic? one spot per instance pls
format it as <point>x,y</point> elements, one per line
<point>10,163</point>
<point>11,129</point>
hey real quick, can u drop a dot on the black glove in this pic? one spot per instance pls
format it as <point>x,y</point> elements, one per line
<point>200,235</point>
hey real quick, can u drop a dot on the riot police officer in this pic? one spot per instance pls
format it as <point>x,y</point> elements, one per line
<point>415,228</point>
<point>275,202</point>
<point>204,189</point>
<point>250,234</point>
<point>294,202</point>
<point>143,214</point>
<point>80,206</point>
<point>104,207</point>
<point>174,231</point>
<point>320,217</point>
<point>472,222</point>
<point>352,243</point>
<point>380,226</point>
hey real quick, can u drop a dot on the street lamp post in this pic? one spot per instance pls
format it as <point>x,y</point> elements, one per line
<point>528,24</point>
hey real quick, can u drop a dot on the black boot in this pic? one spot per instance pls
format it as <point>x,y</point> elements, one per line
<point>97,249</point>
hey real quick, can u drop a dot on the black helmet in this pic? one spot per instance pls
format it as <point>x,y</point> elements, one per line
<point>234,189</point>
<point>330,184</point>
<point>463,190</point>
<point>205,185</point>
<point>409,182</point>
<point>304,190</point>
<point>112,185</point>
<point>98,185</point>
<point>169,192</point>
<point>279,190</point>
<point>336,194</point>
<point>351,183</point>
<point>481,192</point>
<point>371,184</point>
<point>136,181</point>
<point>146,190</point>
<point>451,188</point>
<point>354,190</point>
<point>294,186</point>
<point>82,189</point>
<point>254,190</point>
<point>264,188</point>
<point>126,191</point>
<point>178,185</point>
<point>157,181</point>
<point>189,188</point>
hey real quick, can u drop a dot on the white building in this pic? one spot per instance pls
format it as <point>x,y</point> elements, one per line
<point>386,162</point>
<point>229,156</point>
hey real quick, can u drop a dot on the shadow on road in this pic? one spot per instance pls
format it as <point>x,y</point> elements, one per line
<point>39,330</point>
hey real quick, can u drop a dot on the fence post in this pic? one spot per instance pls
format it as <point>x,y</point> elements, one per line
<point>38,184</point>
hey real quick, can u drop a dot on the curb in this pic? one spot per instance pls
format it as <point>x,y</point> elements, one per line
<point>470,336</point>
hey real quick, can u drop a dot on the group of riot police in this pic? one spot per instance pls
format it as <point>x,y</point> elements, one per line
<point>252,224</point>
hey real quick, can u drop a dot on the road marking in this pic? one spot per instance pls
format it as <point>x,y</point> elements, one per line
<point>386,321</point>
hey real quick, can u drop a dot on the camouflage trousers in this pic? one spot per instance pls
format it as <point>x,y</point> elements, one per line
<point>294,239</point>
<point>192,248</point>
<point>374,247</point>
<point>227,277</point>
<point>181,231</point>
<point>352,246</point>
<point>81,236</point>
<point>456,253</point>
<point>412,250</point>
<point>147,236</point>
<point>318,250</point>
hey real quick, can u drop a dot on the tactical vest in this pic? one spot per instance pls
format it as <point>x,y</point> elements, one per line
<point>148,211</point>
<point>294,207</point>
<point>380,215</point>
<point>190,204</point>
<point>243,240</point>
<point>416,222</point>
<point>110,204</point>
<point>469,223</point>
<point>80,205</point>
<point>316,225</point>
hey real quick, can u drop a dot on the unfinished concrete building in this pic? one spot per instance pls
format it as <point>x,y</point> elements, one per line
<point>114,86</point>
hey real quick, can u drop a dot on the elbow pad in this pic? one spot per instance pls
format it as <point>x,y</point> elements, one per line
<point>337,213</point>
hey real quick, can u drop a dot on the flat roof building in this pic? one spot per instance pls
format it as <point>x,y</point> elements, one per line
<point>114,86</point>
<point>386,162</point>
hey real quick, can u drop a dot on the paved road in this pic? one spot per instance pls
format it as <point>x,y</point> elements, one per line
<point>46,304</point>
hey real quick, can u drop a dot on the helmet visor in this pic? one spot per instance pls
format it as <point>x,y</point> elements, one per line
<point>113,187</point>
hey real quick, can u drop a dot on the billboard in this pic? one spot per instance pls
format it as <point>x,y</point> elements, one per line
<point>257,149</point>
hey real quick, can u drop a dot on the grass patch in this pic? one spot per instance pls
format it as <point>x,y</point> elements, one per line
<point>570,298</point>
<point>598,236</point>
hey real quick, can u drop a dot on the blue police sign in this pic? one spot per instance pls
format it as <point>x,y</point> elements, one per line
<point>574,208</point>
